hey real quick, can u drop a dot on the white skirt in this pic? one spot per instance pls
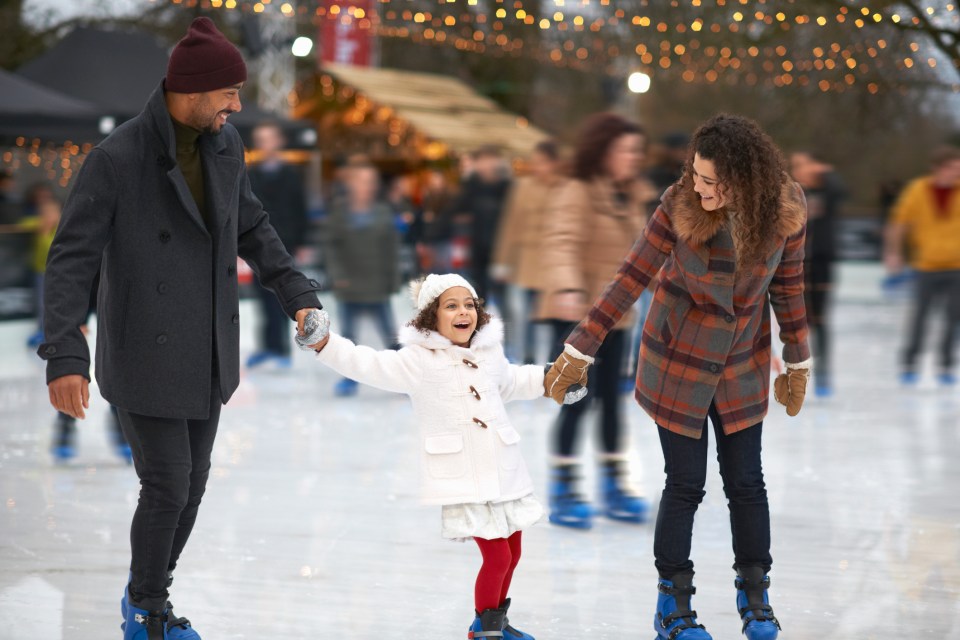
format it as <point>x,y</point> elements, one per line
<point>489,520</point>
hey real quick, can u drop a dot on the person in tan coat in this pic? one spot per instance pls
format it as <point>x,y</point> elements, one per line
<point>591,225</point>
<point>517,257</point>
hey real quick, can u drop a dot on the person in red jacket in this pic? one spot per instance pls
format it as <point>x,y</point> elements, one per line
<point>729,238</point>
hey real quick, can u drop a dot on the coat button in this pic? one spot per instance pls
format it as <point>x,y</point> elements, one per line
<point>236,319</point>
<point>470,364</point>
<point>473,390</point>
<point>729,318</point>
<point>164,236</point>
<point>162,338</point>
<point>162,287</point>
<point>714,368</point>
<point>314,283</point>
<point>50,350</point>
<point>480,422</point>
<point>232,269</point>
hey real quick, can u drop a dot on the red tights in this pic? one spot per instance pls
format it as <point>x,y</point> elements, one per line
<point>500,558</point>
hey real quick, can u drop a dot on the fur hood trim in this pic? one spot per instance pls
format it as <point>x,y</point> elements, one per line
<point>693,224</point>
<point>489,335</point>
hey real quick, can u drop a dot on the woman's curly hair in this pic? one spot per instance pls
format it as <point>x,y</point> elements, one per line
<point>426,320</point>
<point>751,171</point>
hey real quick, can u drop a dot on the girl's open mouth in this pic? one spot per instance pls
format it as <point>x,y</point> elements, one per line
<point>461,325</point>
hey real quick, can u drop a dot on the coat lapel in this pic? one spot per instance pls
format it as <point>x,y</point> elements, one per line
<point>186,198</point>
<point>219,179</point>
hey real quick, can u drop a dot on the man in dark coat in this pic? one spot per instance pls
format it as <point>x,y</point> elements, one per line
<point>279,186</point>
<point>163,208</point>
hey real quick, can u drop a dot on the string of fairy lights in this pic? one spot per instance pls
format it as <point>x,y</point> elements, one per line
<point>58,162</point>
<point>694,41</point>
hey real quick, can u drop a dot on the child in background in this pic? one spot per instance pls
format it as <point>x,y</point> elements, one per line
<point>453,368</point>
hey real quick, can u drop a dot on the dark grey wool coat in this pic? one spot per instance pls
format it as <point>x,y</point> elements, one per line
<point>168,288</point>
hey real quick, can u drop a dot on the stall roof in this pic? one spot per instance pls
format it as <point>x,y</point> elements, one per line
<point>117,70</point>
<point>31,110</point>
<point>442,108</point>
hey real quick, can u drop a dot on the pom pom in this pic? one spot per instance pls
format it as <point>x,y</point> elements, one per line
<point>415,286</point>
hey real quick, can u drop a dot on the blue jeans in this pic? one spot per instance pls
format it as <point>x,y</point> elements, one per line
<point>382,314</point>
<point>685,463</point>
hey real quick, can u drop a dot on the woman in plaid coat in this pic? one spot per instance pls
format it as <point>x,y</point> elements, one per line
<point>729,238</point>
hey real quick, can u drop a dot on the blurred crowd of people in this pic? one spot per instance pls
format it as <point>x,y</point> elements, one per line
<point>487,218</point>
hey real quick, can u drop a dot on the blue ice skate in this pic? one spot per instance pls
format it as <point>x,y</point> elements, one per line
<point>568,508</point>
<point>675,620</point>
<point>759,623</point>
<point>345,388</point>
<point>140,624</point>
<point>619,502</point>
<point>488,624</point>
<point>176,628</point>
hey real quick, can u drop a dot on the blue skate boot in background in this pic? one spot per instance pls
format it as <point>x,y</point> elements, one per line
<point>64,438</point>
<point>619,501</point>
<point>675,620</point>
<point>488,624</point>
<point>509,632</point>
<point>568,508</point>
<point>759,623</point>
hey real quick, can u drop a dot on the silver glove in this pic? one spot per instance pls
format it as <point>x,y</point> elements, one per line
<point>574,394</point>
<point>316,327</point>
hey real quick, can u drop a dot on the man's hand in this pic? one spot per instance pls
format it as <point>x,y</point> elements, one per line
<point>321,321</point>
<point>70,395</point>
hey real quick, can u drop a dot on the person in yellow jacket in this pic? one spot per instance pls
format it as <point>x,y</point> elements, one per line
<point>927,214</point>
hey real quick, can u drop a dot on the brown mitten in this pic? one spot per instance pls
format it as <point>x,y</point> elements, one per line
<point>789,389</point>
<point>567,370</point>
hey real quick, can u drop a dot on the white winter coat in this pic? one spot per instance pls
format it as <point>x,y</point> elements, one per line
<point>470,451</point>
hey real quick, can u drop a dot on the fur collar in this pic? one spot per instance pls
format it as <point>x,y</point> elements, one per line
<point>695,225</point>
<point>487,336</point>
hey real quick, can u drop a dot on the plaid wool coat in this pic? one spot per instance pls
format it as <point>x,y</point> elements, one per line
<point>707,334</point>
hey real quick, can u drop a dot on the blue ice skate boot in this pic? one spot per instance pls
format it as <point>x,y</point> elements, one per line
<point>488,624</point>
<point>909,378</point>
<point>64,439</point>
<point>140,624</point>
<point>509,632</point>
<point>619,502</point>
<point>759,623</point>
<point>176,628</point>
<point>568,508</point>
<point>345,388</point>
<point>675,620</point>
<point>947,378</point>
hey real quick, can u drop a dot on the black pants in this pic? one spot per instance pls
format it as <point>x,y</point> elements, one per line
<point>380,312</point>
<point>603,386</point>
<point>930,286</point>
<point>818,281</point>
<point>685,463</point>
<point>275,330</point>
<point>172,459</point>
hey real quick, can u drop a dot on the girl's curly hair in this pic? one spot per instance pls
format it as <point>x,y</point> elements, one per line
<point>751,171</point>
<point>426,320</point>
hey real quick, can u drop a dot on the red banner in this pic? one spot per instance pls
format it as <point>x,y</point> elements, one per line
<point>346,33</point>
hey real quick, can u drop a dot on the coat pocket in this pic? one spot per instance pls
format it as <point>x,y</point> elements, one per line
<point>673,322</point>
<point>510,451</point>
<point>445,456</point>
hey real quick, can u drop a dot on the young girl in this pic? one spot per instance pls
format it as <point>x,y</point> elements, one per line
<point>453,368</point>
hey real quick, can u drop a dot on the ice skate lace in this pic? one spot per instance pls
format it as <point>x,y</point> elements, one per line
<point>173,622</point>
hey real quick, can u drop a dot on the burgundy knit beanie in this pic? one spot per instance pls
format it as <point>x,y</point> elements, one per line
<point>204,60</point>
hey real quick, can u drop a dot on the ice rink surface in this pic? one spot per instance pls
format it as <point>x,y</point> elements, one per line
<point>311,528</point>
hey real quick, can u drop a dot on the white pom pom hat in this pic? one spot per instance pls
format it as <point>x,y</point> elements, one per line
<point>425,291</point>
